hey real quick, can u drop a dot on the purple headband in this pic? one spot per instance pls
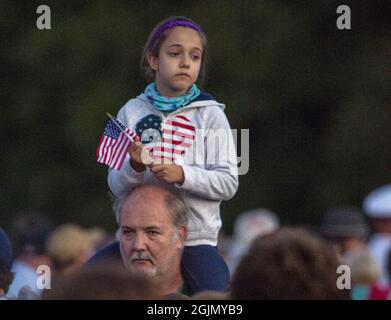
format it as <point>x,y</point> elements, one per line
<point>172,24</point>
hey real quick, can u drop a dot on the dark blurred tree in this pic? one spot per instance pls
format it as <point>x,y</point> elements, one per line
<point>316,101</point>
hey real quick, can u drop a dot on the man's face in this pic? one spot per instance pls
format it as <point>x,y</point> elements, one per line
<point>149,242</point>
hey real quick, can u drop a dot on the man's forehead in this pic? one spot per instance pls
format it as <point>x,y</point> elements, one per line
<point>143,224</point>
<point>144,216</point>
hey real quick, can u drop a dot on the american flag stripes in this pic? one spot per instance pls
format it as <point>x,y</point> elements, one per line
<point>114,144</point>
<point>178,135</point>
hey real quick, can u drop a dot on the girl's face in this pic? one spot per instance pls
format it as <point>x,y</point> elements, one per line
<point>179,62</point>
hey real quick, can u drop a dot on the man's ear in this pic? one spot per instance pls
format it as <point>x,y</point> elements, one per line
<point>182,234</point>
<point>153,62</point>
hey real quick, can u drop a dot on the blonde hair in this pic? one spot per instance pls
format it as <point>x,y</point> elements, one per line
<point>69,242</point>
<point>364,267</point>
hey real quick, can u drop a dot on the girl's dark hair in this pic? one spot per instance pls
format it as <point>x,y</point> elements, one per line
<point>153,45</point>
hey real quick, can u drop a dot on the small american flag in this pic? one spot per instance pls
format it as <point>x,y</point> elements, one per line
<point>114,144</point>
<point>178,135</point>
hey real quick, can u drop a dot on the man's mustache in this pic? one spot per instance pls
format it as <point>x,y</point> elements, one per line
<point>140,256</point>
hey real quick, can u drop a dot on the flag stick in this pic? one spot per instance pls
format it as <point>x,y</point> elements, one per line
<point>149,161</point>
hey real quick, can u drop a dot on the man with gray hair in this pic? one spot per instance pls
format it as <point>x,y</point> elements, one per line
<point>152,232</point>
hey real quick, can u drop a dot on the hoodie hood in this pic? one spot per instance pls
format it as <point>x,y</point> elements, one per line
<point>202,100</point>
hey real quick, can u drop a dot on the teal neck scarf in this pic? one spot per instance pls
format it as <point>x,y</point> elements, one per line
<point>170,104</point>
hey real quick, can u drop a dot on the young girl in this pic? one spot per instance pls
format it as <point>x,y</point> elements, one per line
<point>174,56</point>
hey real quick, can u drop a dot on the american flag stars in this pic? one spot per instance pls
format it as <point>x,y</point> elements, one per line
<point>114,144</point>
<point>149,129</point>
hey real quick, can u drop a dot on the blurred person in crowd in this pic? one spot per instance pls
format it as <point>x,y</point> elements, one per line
<point>224,244</point>
<point>345,227</point>
<point>289,264</point>
<point>247,227</point>
<point>377,206</point>
<point>211,295</point>
<point>28,237</point>
<point>389,272</point>
<point>152,231</point>
<point>109,282</point>
<point>69,247</point>
<point>6,276</point>
<point>364,271</point>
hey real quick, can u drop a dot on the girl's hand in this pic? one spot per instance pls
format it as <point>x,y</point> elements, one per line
<point>137,154</point>
<point>170,173</point>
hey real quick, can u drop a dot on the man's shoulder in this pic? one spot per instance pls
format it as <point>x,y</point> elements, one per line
<point>110,253</point>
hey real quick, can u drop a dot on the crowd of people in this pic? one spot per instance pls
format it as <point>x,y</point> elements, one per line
<point>35,243</point>
<point>144,259</point>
